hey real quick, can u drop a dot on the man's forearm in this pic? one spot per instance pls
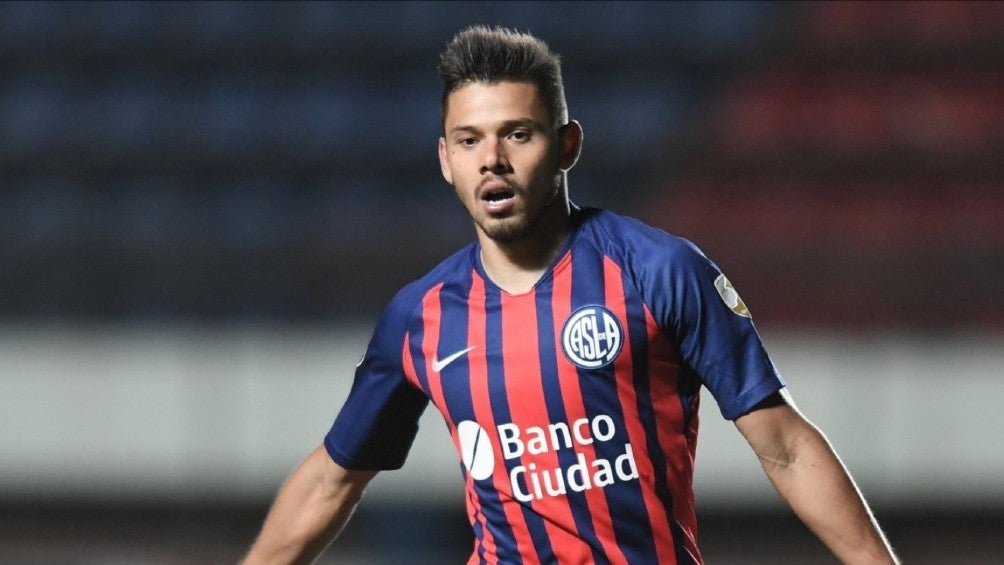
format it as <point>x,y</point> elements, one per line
<point>821,492</point>
<point>309,511</point>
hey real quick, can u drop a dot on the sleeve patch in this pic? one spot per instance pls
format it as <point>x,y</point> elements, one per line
<point>731,297</point>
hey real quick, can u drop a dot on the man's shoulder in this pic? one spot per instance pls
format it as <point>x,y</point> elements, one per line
<point>410,296</point>
<point>619,235</point>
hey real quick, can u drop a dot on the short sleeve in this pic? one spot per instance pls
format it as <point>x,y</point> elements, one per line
<point>378,422</point>
<point>697,304</point>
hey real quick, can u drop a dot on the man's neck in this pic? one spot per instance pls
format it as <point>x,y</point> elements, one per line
<point>516,266</point>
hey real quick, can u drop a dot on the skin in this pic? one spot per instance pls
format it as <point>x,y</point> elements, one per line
<point>508,168</point>
<point>809,476</point>
<point>498,143</point>
<point>309,511</point>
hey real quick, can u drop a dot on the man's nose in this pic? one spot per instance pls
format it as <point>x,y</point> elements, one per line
<point>495,159</point>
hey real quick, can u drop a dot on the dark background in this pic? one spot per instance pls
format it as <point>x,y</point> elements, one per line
<point>210,164</point>
<point>207,162</point>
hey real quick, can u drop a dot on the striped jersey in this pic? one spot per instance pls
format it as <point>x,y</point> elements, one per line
<point>573,407</point>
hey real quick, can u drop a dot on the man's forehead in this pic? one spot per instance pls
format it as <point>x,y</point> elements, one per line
<point>479,99</point>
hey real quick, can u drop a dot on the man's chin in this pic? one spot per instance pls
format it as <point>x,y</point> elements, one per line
<point>504,230</point>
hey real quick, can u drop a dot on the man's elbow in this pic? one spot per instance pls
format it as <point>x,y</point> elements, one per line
<point>792,448</point>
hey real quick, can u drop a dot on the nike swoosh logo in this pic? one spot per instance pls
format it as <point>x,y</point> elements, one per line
<point>439,364</point>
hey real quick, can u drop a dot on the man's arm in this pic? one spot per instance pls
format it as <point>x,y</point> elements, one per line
<point>309,511</point>
<point>808,474</point>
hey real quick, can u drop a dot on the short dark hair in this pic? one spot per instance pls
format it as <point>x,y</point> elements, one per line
<point>480,54</point>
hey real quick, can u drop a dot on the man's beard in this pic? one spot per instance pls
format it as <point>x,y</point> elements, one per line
<point>509,230</point>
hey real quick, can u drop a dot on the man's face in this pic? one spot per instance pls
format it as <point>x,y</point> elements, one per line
<point>503,157</point>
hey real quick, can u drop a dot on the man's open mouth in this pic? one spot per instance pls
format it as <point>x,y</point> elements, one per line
<point>499,195</point>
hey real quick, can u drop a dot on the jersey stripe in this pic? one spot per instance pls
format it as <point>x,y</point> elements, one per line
<point>523,375</point>
<point>628,395</point>
<point>528,527</point>
<point>651,423</point>
<point>676,434</point>
<point>452,392</point>
<point>499,536</point>
<point>599,395</point>
<point>431,318</point>
<point>585,548</point>
<point>414,362</point>
<point>597,524</point>
<point>408,364</point>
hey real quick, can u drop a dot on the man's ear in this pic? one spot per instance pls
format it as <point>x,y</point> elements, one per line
<point>571,144</point>
<point>444,161</point>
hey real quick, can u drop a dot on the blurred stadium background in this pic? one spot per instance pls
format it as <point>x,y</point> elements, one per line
<point>204,206</point>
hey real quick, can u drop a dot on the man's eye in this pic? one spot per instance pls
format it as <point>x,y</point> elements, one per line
<point>467,141</point>
<point>519,136</point>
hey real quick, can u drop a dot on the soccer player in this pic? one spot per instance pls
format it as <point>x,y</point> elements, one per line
<point>566,349</point>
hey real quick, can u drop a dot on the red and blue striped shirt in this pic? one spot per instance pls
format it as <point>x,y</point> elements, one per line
<point>573,407</point>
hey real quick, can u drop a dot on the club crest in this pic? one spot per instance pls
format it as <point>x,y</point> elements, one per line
<point>592,337</point>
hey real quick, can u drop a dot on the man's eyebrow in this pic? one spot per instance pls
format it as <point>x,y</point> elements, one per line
<point>506,125</point>
<point>523,122</point>
<point>468,129</point>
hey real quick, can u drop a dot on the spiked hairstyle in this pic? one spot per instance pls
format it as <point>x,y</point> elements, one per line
<point>480,54</point>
